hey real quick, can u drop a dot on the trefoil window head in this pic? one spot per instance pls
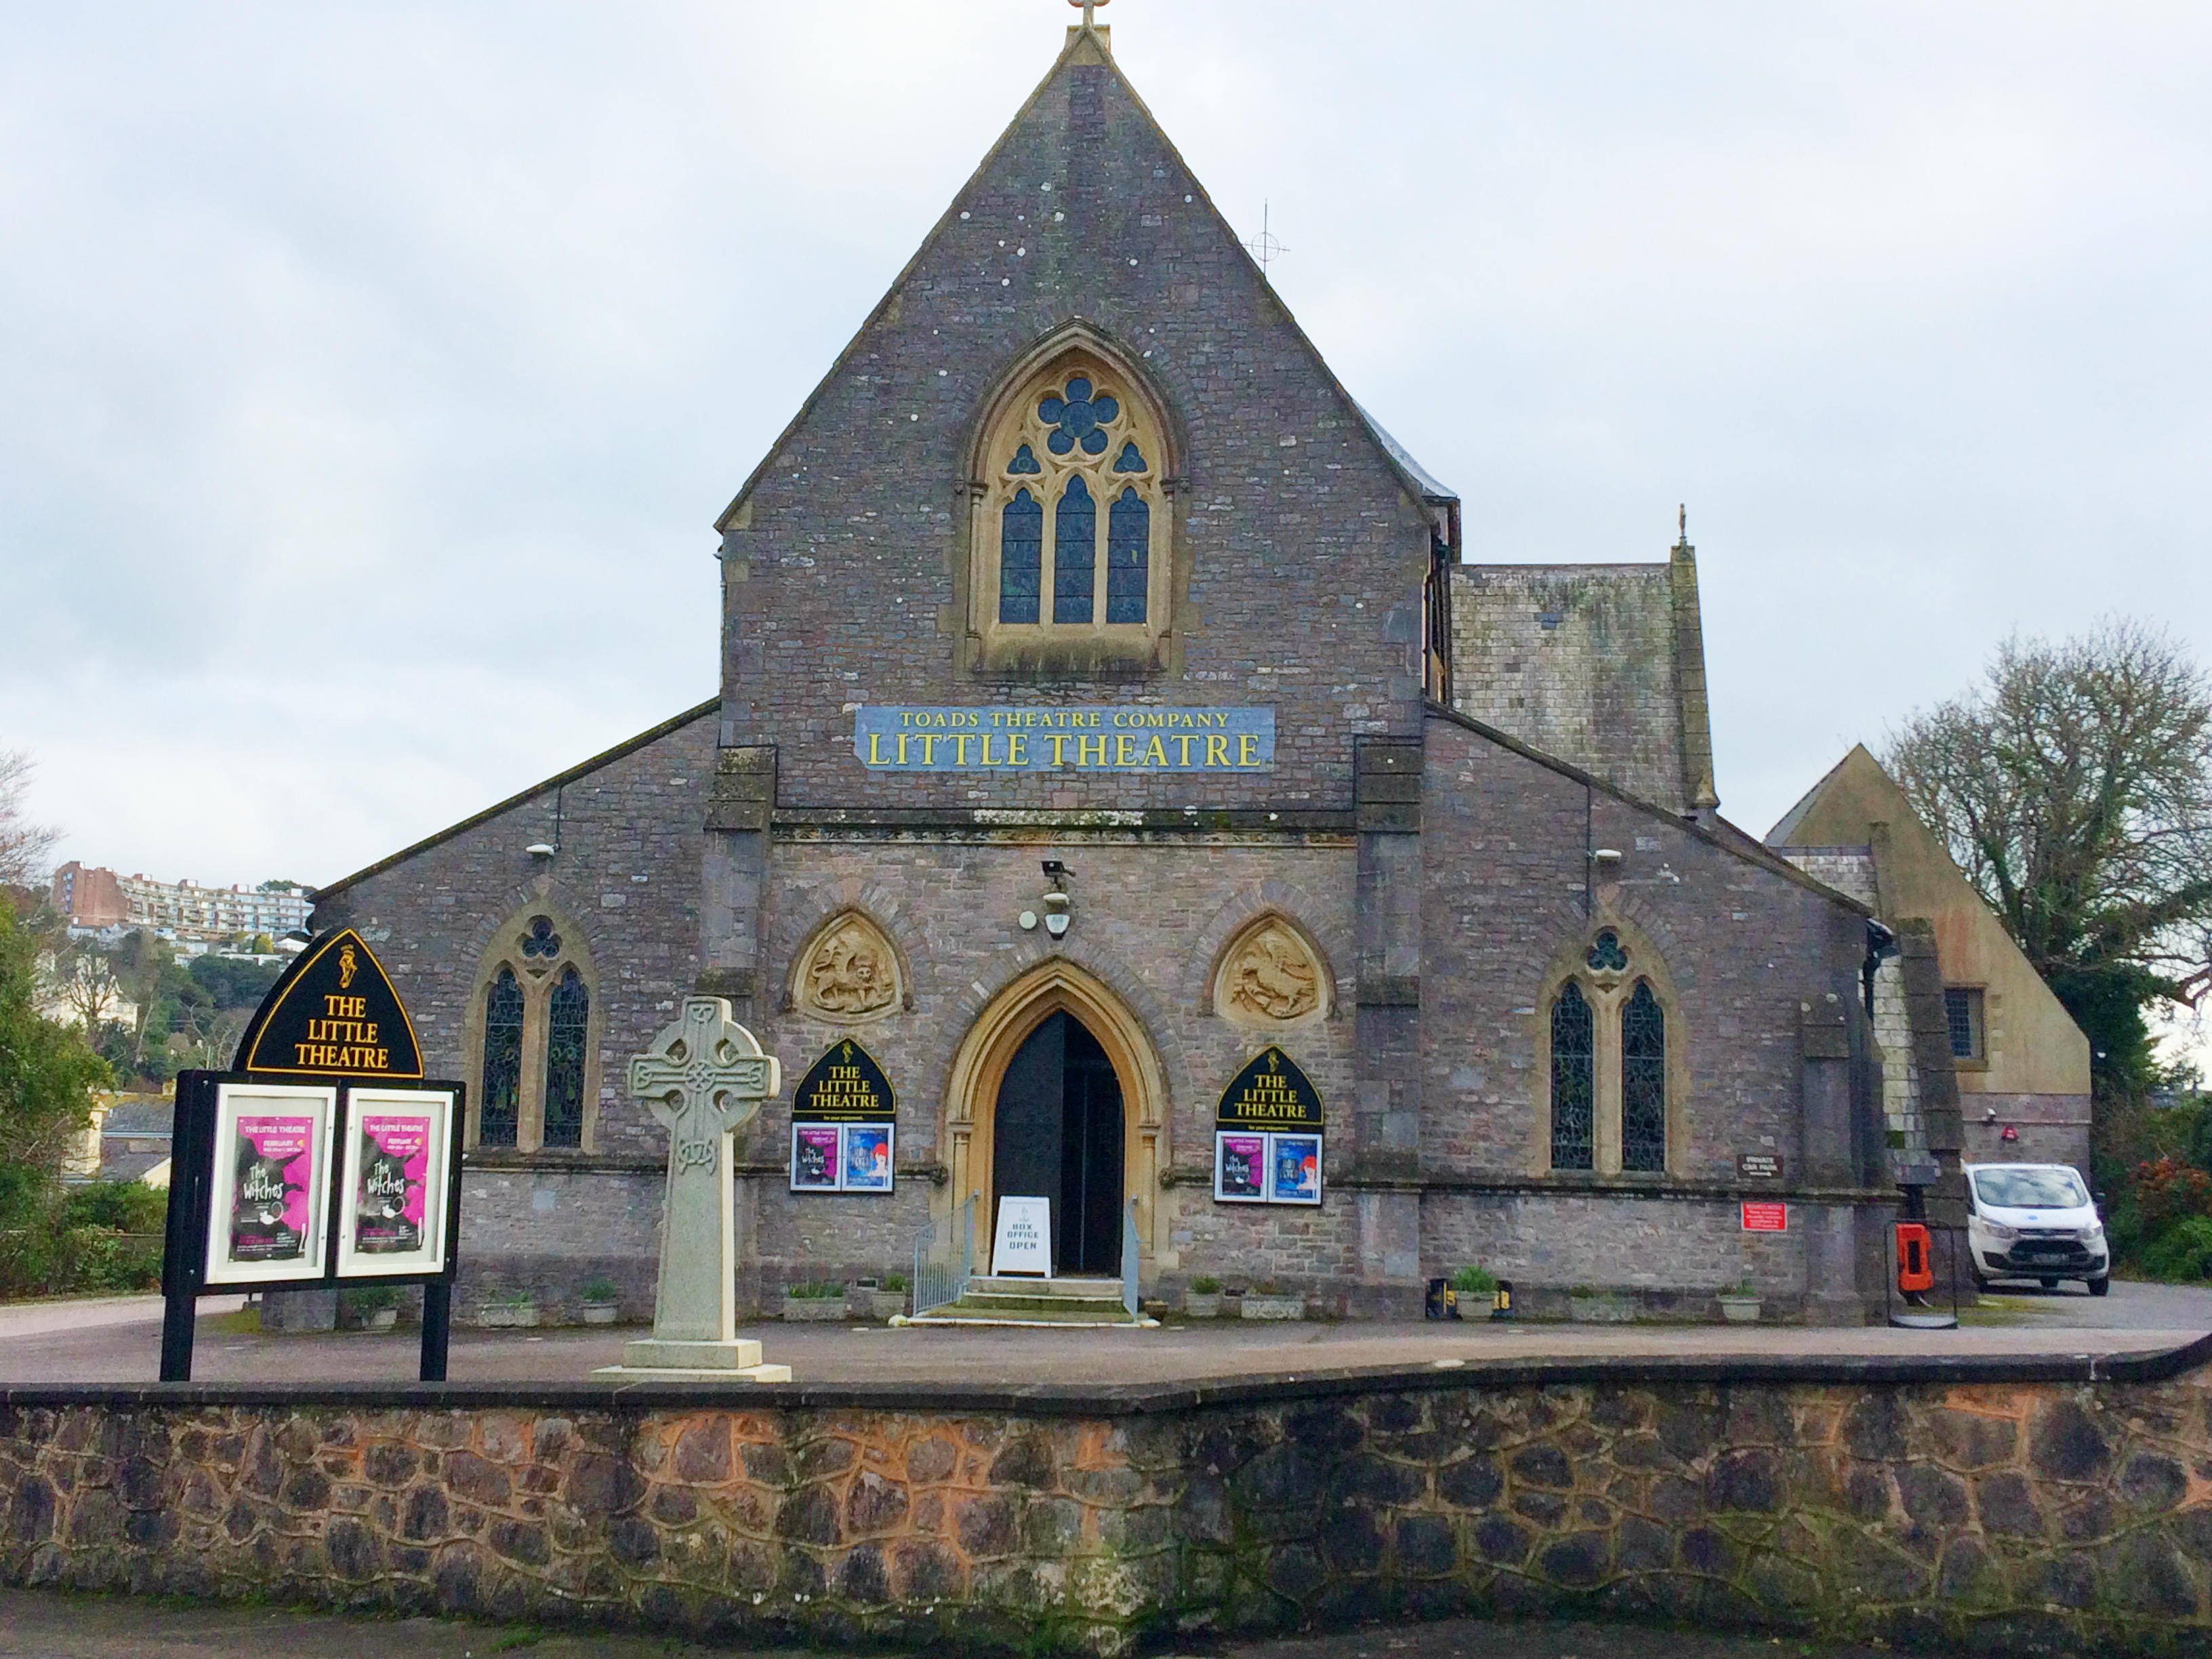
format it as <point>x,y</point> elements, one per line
<point>1606,955</point>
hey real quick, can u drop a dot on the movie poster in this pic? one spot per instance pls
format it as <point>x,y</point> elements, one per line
<point>272,1147</point>
<point>867,1157</point>
<point>1294,1166</point>
<point>1239,1167</point>
<point>814,1162</point>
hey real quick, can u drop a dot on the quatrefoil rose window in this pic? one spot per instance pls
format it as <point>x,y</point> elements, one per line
<point>1072,531</point>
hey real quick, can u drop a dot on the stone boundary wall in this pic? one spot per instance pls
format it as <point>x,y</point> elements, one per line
<point>2060,1506</point>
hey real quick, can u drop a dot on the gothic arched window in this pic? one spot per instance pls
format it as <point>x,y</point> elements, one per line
<point>500,1092</point>
<point>1574,1081</point>
<point>568,1014</point>
<point>1643,1082</point>
<point>532,1034</point>
<point>1071,486</point>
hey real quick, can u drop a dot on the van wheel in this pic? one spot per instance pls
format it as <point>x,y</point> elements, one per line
<point>2051,1281</point>
<point>2100,1286</point>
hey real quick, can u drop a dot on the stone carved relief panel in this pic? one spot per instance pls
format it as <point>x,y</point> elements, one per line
<point>1271,976</point>
<point>848,972</point>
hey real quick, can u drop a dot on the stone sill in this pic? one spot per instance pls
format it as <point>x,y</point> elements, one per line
<point>1072,1400</point>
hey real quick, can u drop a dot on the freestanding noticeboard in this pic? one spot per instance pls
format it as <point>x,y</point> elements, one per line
<point>324,1158</point>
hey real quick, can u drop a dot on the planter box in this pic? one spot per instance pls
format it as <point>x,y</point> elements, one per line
<point>818,1310</point>
<point>1600,1310</point>
<point>508,1316</point>
<point>886,1304</point>
<point>1202,1305</point>
<point>1740,1309</point>
<point>600,1313</point>
<point>1272,1307</point>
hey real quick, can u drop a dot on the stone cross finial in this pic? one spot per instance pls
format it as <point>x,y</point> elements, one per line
<point>1086,5</point>
<point>704,1077</point>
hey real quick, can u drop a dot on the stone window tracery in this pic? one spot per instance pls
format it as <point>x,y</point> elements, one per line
<point>1610,1076</point>
<point>1072,527</point>
<point>534,1040</point>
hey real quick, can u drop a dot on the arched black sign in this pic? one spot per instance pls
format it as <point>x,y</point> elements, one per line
<point>845,1085</point>
<point>1270,1093</point>
<point>333,1014</point>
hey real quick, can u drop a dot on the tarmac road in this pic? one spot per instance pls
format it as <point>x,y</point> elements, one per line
<point>53,1626</point>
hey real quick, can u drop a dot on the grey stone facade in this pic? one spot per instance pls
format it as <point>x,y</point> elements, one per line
<point>1440,868</point>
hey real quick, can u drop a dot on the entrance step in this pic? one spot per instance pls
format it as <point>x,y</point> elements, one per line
<point>1005,1300</point>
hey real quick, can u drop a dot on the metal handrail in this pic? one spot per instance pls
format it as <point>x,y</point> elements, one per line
<point>945,1257</point>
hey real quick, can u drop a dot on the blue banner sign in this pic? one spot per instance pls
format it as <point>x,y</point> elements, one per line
<point>899,737</point>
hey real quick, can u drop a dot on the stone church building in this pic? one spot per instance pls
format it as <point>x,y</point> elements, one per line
<point>1105,707</point>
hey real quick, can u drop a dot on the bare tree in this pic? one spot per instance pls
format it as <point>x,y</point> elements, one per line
<point>84,978</point>
<point>2074,787</point>
<point>25,847</point>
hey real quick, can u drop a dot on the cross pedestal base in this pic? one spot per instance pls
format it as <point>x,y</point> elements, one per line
<point>652,1360</point>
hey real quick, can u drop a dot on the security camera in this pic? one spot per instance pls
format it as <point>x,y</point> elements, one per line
<point>1054,868</point>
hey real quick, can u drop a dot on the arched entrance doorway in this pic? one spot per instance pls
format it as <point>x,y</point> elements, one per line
<point>985,1123</point>
<point>1058,1123</point>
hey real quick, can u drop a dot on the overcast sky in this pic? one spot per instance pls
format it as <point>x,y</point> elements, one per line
<point>370,375</point>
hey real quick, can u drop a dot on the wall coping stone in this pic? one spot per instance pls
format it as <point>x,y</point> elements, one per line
<point>1126,1399</point>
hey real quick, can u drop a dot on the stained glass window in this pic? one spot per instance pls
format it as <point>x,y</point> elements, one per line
<point>1077,418</point>
<point>1021,558</point>
<point>540,940</point>
<point>1074,549</point>
<point>1129,461</point>
<point>1128,552</point>
<point>1643,1082</point>
<point>1025,460</point>
<point>567,1013</point>
<point>1574,1081</point>
<point>502,1061</point>
<point>1606,955</point>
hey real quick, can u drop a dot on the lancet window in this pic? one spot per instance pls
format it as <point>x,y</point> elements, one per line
<point>536,1039</point>
<point>1610,1081</point>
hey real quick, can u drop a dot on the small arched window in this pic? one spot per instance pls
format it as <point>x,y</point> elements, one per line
<point>1071,486</point>
<point>568,1014</point>
<point>501,1092</point>
<point>1643,1082</point>
<point>1574,1081</point>
<point>533,1038</point>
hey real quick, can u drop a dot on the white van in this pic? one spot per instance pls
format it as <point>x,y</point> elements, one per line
<point>2034,1221</point>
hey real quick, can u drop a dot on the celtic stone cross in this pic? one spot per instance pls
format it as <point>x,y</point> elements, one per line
<point>704,1077</point>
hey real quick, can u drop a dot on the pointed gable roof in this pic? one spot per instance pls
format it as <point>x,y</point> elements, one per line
<point>1087,48</point>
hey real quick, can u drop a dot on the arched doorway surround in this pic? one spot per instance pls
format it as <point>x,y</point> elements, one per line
<point>978,1066</point>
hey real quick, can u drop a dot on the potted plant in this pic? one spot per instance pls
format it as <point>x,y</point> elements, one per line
<point>374,1308</point>
<point>1589,1306</point>
<point>1203,1299</point>
<point>1268,1300</point>
<point>815,1302</point>
<point>888,1300</point>
<point>601,1299</point>
<point>508,1311</point>
<point>1472,1288</point>
<point>1739,1304</point>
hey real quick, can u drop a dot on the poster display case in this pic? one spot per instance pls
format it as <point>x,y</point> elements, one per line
<point>1267,1138</point>
<point>270,1183</point>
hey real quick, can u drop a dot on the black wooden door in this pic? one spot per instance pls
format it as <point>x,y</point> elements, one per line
<point>1056,1133</point>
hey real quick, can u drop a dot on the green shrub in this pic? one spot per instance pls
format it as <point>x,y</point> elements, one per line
<point>821,1292</point>
<point>124,1206</point>
<point>601,1290</point>
<point>1474,1281</point>
<point>895,1281</point>
<point>369,1299</point>
<point>1206,1284</point>
<point>2183,1251</point>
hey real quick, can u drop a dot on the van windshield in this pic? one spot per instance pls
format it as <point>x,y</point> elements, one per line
<point>2030,1189</point>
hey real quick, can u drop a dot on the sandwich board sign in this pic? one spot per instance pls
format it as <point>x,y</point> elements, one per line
<point>324,1157</point>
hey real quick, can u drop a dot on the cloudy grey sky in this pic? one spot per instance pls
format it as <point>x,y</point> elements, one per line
<point>370,375</point>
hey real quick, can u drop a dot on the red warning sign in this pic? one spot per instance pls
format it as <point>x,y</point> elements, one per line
<point>1765,1217</point>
